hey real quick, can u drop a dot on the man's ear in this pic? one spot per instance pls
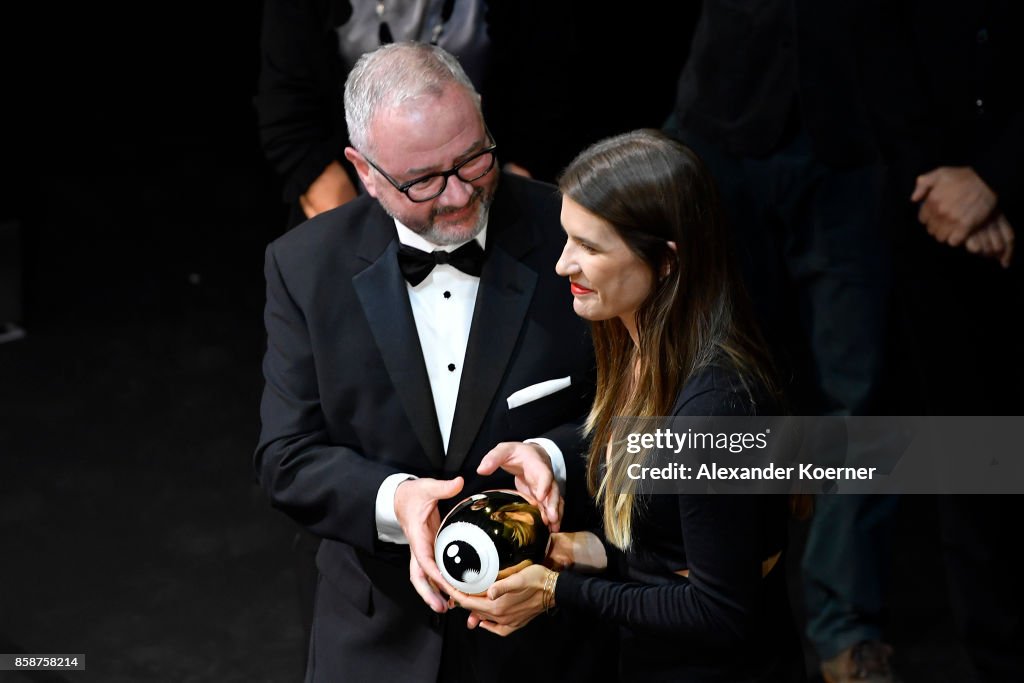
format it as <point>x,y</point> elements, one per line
<point>362,169</point>
<point>670,260</point>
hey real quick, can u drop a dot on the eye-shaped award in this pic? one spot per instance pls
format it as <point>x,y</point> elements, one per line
<point>487,537</point>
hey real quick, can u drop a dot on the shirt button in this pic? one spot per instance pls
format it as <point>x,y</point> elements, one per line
<point>451,367</point>
<point>982,36</point>
<point>447,295</point>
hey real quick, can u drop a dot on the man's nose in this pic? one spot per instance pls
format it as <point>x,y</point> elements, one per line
<point>456,193</point>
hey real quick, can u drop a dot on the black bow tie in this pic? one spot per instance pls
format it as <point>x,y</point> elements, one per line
<point>416,265</point>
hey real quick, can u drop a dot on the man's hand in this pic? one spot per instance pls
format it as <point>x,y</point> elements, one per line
<point>416,510</point>
<point>994,241</point>
<point>531,467</point>
<point>331,189</point>
<point>955,202</point>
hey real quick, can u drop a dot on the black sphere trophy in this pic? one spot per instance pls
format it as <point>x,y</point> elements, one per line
<point>487,537</point>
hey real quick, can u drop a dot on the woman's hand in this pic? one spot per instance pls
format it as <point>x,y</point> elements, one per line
<point>560,552</point>
<point>578,550</point>
<point>511,603</point>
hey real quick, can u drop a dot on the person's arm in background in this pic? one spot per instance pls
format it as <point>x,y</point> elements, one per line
<point>921,84</point>
<point>299,107</point>
<point>964,205</point>
<point>999,167</point>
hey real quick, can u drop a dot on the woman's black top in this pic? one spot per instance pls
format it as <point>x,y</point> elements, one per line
<point>725,621</point>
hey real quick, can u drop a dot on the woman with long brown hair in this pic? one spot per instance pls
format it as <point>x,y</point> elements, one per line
<point>694,581</point>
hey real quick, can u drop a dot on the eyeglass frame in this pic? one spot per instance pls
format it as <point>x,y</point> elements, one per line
<point>444,175</point>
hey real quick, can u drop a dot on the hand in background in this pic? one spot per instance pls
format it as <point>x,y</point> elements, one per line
<point>416,511</point>
<point>955,202</point>
<point>331,189</point>
<point>994,240</point>
<point>531,466</point>
<point>514,168</point>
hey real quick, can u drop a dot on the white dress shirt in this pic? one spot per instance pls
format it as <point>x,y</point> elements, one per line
<point>442,308</point>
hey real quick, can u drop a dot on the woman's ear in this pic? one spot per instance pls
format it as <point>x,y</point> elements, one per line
<point>669,261</point>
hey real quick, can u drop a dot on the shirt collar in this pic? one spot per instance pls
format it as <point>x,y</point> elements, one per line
<point>409,238</point>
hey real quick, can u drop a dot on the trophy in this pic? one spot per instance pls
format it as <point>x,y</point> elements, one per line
<point>489,536</point>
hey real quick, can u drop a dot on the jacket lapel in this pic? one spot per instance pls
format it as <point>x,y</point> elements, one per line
<point>503,300</point>
<point>385,301</point>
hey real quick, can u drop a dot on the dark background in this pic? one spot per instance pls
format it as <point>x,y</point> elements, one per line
<point>131,528</point>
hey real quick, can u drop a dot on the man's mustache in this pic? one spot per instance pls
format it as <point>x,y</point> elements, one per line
<point>474,198</point>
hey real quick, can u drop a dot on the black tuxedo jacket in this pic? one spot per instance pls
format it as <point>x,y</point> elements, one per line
<point>347,403</point>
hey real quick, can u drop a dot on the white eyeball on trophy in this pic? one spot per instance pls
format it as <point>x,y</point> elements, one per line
<point>489,536</point>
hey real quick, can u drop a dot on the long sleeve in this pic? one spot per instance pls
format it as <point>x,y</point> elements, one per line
<point>299,101</point>
<point>720,539</point>
<point>999,165</point>
<point>328,487</point>
<point>717,605</point>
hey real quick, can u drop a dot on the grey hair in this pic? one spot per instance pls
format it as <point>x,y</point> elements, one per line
<point>392,74</point>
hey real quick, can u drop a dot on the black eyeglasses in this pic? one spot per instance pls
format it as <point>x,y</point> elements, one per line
<point>427,187</point>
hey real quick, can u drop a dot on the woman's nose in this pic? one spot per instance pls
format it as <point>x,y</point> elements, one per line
<point>566,266</point>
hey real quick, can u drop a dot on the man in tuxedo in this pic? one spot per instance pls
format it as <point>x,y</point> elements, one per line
<point>416,336</point>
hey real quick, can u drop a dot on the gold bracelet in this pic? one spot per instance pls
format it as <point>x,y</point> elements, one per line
<point>548,592</point>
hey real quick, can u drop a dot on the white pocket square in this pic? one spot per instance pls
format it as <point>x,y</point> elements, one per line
<point>535,391</point>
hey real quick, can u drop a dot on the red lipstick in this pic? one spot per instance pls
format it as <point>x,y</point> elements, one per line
<point>579,290</point>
